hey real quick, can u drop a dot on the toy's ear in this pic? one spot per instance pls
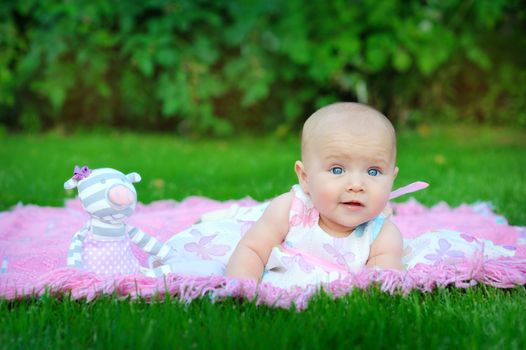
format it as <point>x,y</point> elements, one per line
<point>134,177</point>
<point>71,183</point>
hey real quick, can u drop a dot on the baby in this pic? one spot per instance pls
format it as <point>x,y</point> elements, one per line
<point>332,224</point>
<point>333,221</point>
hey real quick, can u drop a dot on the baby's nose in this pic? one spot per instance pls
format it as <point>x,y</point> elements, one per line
<point>355,183</point>
<point>121,196</point>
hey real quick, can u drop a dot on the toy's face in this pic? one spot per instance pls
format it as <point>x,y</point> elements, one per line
<point>108,195</point>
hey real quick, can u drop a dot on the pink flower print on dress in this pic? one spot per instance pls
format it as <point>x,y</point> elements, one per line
<point>337,250</point>
<point>205,249</point>
<point>443,253</point>
<point>306,217</point>
<point>300,260</point>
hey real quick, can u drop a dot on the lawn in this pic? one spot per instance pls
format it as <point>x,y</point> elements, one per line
<point>464,164</point>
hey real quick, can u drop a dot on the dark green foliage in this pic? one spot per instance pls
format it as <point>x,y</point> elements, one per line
<point>216,67</point>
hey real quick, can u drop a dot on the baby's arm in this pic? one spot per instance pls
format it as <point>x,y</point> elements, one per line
<point>252,252</point>
<point>387,249</point>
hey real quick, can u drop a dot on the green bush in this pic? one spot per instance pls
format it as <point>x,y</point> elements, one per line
<point>203,67</point>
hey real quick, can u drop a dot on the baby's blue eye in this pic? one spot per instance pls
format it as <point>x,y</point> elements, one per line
<point>373,172</point>
<point>336,170</point>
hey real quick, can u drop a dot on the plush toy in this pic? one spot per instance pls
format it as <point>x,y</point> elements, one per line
<point>103,244</point>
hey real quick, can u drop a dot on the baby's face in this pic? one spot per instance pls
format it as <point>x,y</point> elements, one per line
<point>349,171</point>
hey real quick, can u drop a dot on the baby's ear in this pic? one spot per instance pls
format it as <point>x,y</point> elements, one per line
<point>299,168</point>
<point>134,177</point>
<point>71,183</point>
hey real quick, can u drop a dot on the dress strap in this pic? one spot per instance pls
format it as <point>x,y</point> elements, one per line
<point>322,263</point>
<point>377,225</point>
<point>373,227</point>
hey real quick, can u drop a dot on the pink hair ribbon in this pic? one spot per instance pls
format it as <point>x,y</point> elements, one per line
<point>413,187</point>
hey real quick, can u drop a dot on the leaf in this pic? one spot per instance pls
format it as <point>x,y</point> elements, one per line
<point>166,57</point>
<point>427,60</point>
<point>144,62</point>
<point>479,57</point>
<point>292,109</point>
<point>254,93</point>
<point>401,60</point>
<point>57,96</point>
<point>6,86</point>
<point>378,50</point>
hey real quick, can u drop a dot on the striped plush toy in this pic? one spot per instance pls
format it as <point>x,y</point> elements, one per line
<point>103,244</point>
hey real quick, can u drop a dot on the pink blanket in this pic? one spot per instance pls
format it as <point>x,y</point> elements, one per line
<point>34,242</point>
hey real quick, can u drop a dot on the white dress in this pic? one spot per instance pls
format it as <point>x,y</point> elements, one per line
<point>308,254</point>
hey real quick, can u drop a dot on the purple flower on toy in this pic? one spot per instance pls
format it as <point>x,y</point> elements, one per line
<point>81,173</point>
<point>444,252</point>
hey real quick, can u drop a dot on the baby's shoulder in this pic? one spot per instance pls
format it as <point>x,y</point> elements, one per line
<point>281,204</point>
<point>389,238</point>
<point>389,229</point>
<point>277,212</point>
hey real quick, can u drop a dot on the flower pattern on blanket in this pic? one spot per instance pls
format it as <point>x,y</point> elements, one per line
<point>204,248</point>
<point>449,247</point>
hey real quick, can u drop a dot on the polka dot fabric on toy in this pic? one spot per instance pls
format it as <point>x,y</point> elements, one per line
<point>109,257</point>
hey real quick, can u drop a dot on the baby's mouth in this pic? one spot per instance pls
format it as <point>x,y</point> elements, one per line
<point>354,204</point>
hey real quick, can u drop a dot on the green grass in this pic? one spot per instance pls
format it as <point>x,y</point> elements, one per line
<point>463,165</point>
<point>466,164</point>
<point>479,317</point>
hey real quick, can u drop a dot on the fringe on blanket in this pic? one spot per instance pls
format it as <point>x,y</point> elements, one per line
<point>500,273</point>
